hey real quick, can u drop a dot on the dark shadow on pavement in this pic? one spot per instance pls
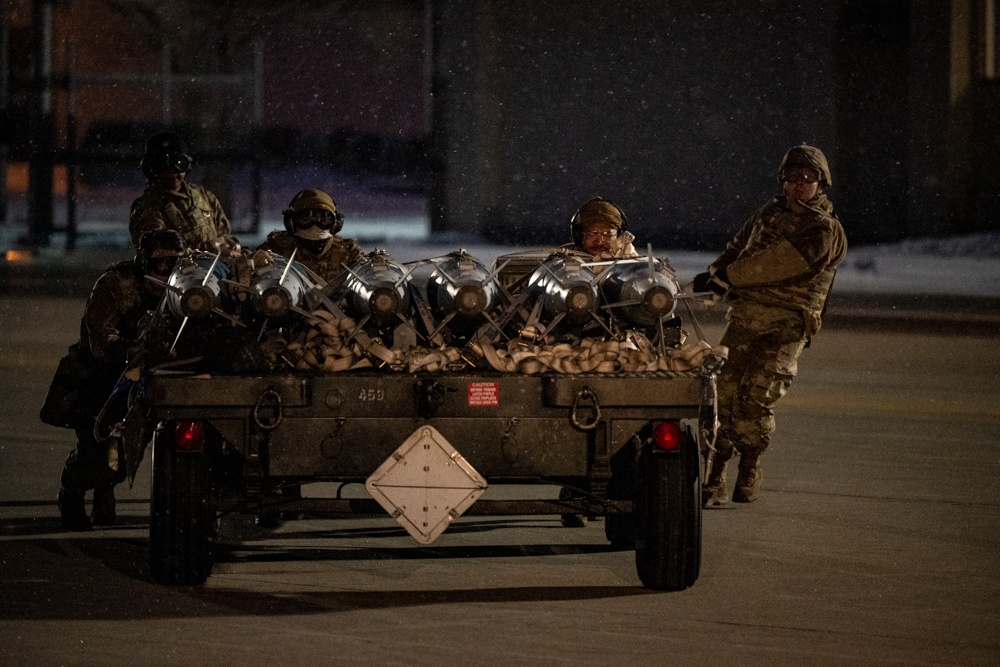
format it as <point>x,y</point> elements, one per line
<point>251,554</point>
<point>108,579</point>
<point>51,525</point>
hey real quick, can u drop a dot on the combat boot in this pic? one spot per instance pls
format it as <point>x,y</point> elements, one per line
<point>748,481</point>
<point>713,491</point>
<point>103,511</point>
<point>72,510</point>
<point>571,520</point>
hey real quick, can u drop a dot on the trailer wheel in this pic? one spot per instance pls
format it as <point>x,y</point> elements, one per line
<point>668,517</point>
<point>182,522</point>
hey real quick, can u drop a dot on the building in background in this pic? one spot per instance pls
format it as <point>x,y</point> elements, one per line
<point>302,92</point>
<point>505,114</point>
<point>678,111</point>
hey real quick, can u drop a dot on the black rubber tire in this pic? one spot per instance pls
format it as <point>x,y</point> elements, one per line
<point>668,518</point>
<point>182,523</point>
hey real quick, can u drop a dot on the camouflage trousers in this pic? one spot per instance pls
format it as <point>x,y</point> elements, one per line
<point>764,346</point>
<point>86,466</point>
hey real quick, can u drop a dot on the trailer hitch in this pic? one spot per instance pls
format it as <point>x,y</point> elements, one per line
<point>428,395</point>
<point>269,400</point>
<point>585,399</point>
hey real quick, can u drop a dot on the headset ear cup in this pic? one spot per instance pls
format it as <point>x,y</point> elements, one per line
<point>575,228</point>
<point>286,217</point>
<point>338,222</point>
<point>624,219</point>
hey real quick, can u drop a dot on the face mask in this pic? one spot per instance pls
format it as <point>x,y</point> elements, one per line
<point>313,233</point>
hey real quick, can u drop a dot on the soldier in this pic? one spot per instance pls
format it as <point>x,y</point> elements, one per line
<point>775,274</point>
<point>312,223</point>
<point>119,300</point>
<point>171,202</point>
<point>601,229</point>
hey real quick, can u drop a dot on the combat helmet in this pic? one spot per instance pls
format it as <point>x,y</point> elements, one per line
<point>165,151</point>
<point>311,199</point>
<point>807,156</point>
<point>153,239</point>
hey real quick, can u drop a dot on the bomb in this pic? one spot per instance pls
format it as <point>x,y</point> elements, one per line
<point>279,285</point>
<point>641,292</point>
<point>195,285</point>
<point>566,288</point>
<point>377,289</point>
<point>461,286</point>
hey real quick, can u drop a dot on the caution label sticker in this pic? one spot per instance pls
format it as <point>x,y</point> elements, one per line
<point>484,394</point>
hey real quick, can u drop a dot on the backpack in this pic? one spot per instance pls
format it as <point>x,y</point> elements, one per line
<point>70,398</point>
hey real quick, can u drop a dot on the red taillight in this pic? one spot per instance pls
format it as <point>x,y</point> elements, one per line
<point>667,436</point>
<point>190,436</point>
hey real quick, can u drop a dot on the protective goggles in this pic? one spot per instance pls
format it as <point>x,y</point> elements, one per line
<point>806,175</point>
<point>174,162</point>
<point>595,234</point>
<point>314,218</point>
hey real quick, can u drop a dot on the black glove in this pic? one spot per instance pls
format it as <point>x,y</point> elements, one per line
<point>700,282</point>
<point>717,282</point>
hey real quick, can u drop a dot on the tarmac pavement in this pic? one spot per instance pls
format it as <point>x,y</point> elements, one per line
<point>874,544</point>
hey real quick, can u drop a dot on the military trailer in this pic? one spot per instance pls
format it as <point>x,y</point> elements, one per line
<point>427,383</point>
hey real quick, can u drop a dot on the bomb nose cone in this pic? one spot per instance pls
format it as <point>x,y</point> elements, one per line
<point>197,302</point>
<point>659,300</point>
<point>471,300</point>
<point>580,300</point>
<point>384,301</point>
<point>275,301</point>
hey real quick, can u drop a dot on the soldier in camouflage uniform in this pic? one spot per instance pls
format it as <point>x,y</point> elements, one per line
<point>600,229</point>
<point>171,202</point>
<point>312,222</point>
<point>119,300</point>
<point>775,274</point>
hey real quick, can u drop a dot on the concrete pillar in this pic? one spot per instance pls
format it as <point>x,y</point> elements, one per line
<point>42,159</point>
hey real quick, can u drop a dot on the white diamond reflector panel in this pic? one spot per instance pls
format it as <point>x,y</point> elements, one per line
<point>425,484</point>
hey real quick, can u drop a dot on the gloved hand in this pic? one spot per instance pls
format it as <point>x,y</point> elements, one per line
<point>700,282</point>
<point>717,282</point>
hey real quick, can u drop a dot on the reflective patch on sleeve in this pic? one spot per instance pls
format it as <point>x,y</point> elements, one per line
<point>774,264</point>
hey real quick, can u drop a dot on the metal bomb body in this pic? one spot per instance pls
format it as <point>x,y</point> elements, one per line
<point>194,287</point>
<point>640,291</point>
<point>566,287</point>
<point>377,288</point>
<point>279,284</point>
<point>461,285</point>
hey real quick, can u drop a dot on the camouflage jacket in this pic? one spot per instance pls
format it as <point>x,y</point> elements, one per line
<point>193,211</point>
<point>786,255</point>
<point>110,323</point>
<point>327,264</point>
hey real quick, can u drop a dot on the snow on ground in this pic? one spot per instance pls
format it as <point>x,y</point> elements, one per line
<point>966,265</point>
<point>960,266</point>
